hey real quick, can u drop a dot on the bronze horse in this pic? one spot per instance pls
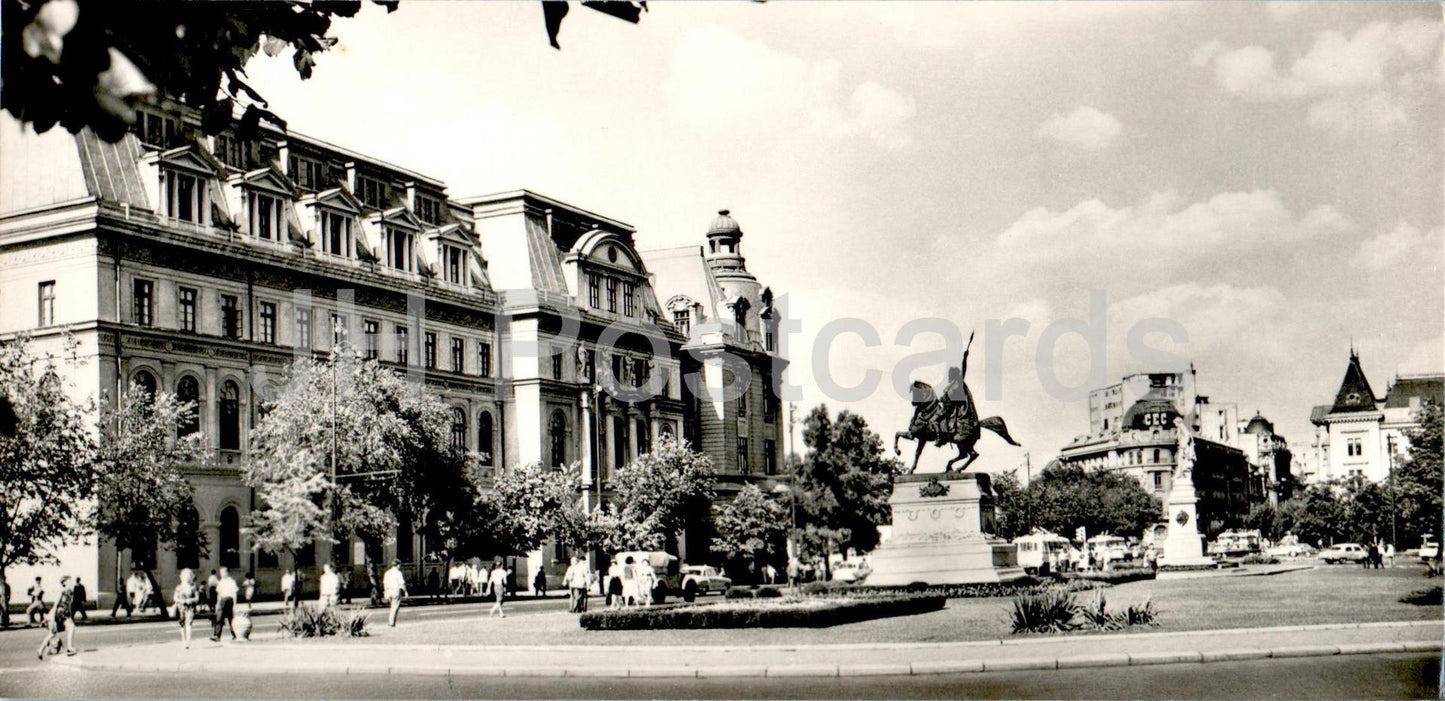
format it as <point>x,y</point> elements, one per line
<point>931,422</point>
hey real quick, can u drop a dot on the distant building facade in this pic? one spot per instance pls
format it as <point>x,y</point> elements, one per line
<point>1362,434</point>
<point>1132,431</point>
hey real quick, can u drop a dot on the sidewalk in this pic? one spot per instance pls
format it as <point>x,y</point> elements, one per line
<point>1034,653</point>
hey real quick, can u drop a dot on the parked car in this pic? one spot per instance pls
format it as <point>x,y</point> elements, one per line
<point>1292,550</point>
<point>851,572</point>
<point>698,580</point>
<point>1429,549</point>
<point>1344,552</point>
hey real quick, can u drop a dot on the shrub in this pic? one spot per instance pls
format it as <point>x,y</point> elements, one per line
<point>1050,611</point>
<point>1141,614</point>
<point>1423,597</point>
<point>768,593</point>
<point>814,588</point>
<point>738,593</point>
<point>1097,615</point>
<point>310,621</point>
<point>797,613</point>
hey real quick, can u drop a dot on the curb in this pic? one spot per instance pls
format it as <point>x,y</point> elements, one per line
<point>807,670</point>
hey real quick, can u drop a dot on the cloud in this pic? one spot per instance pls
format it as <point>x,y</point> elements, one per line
<point>1085,127</point>
<point>720,79</point>
<point>1404,242</point>
<point>1285,9</point>
<point>1354,84</point>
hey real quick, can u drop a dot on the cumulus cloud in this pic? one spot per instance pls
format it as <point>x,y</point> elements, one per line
<point>719,78</point>
<point>1357,83</point>
<point>1404,242</point>
<point>1085,128</point>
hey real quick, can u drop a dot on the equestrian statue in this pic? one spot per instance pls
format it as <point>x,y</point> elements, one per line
<point>948,416</point>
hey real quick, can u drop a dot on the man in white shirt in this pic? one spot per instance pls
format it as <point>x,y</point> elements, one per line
<point>288,589</point>
<point>226,590</point>
<point>393,585</point>
<point>329,586</point>
<point>498,583</point>
<point>577,579</point>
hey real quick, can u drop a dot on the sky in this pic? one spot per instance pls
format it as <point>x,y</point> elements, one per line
<point>1250,188</point>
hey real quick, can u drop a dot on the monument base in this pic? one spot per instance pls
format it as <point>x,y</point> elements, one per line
<point>940,535</point>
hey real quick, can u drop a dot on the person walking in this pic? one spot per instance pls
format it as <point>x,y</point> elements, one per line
<point>4,602</point>
<point>224,614</point>
<point>35,612</point>
<point>211,583</point>
<point>80,597</point>
<point>393,584</point>
<point>577,579</point>
<point>1390,555</point>
<point>144,592</point>
<point>539,582</point>
<point>498,583</point>
<point>59,620</point>
<point>329,588</point>
<point>187,599</point>
<point>288,590</point>
<point>646,582</point>
<point>248,590</point>
<point>433,584</point>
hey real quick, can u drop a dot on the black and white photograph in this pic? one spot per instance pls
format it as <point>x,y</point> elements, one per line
<point>834,349</point>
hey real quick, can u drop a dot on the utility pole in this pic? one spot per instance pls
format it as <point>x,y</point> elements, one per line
<point>1028,500</point>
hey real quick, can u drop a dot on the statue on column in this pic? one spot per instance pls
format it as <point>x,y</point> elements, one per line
<point>1184,454</point>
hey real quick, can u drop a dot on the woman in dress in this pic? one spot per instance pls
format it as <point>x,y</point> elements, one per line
<point>187,599</point>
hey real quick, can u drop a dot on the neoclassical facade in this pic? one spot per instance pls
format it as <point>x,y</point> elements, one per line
<point>204,265</point>
<point>1362,434</point>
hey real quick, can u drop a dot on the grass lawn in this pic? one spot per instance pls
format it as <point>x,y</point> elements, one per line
<point>1325,594</point>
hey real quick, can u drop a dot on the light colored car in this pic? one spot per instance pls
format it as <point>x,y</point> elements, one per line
<point>850,572</point>
<point>1344,552</point>
<point>1291,550</point>
<point>698,580</point>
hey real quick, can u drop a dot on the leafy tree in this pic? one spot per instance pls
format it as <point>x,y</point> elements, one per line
<point>386,434</point>
<point>1102,501</point>
<point>752,528</point>
<point>530,504</point>
<point>1418,482</point>
<point>45,463</point>
<point>1314,514</point>
<point>843,484</point>
<point>90,62</point>
<point>1013,504</point>
<point>654,495</point>
<point>142,495</point>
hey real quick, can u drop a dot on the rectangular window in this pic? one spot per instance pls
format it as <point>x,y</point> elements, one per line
<point>47,303</point>
<point>232,151</point>
<point>303,328</point>
<point>231,317</point>
<point>770,456</point>
<point>1158,481</point>
<point>1354,447</point>
<point>265,216</point>
<point>771,405</point>
<point>400,250</point>
<point>373,330</point>
<point>336,234</point>
<point>185,197</point>
<point>143,300</point>
<point>628,305</point>
<point>155,130</point>
<point>644,437</point>
<point>403,345</point>
<point>484,359</point>
<point>453,264</point>
<point>742,454</point>
<point>372,192</point>
<point>459,354</point>
<point>612,294</point>
<point>187,297</point>
<point>556,363</point>
<point>268,322</point>
<point>428,209</point>
<point>682,318</point>
<point>770,340</point>
<point>743,404</point>
<point>338,329</point>
<point>431,350</point>
<point>307,173</point>
<point>594,291</point>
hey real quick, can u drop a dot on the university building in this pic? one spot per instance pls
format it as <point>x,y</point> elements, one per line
<point>204,265</point>
<point>1366,435</point>
<point>1131,430</point>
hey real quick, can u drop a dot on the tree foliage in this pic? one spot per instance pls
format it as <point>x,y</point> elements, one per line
<point>45,464</point>
<point>654,496</point>
<point>753,528</point>
<point>389,437</point>
<point>530,504</point>
<point>1065,497</point>
<point>843,484</point>
<point>141,494</point>
<point>1418,481</point>
<point>82,63</point>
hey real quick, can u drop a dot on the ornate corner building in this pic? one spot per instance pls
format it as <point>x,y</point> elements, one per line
<point>205,265</point>
<point>1365,435</point>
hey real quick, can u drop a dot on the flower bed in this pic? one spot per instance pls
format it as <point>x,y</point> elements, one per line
<point>810,612</point>
<point>955,591</point>
<point>1118,575</point>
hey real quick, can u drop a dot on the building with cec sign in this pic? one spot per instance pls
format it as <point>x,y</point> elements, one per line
<point>1131,430</point>
<point>204,265</point>
<point>1362,434</point>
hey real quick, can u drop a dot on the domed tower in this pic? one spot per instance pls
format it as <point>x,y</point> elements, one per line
<point>724,255</point>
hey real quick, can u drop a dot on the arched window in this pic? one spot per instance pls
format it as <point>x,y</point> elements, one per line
<point>230,438</point>
<point>146,381</point>
<point>230,537</point>
<point>189,390</point>
<point>484,437</point>
<point>1156,455</point>
<point>558,431</point>
<point>459,428</point>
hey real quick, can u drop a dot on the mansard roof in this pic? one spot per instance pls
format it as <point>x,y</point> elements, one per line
<point>1355,393</point>
<point>1429,388</point>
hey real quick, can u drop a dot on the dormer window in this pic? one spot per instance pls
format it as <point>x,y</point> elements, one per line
<point>428,209</point>
<point>264,217</point>
<point>185,195</point>
<point>612,294</point>
<point>682,318</point>
<point>336,234</point>
<point>594,291</point>
<point>156,130</point>
<point>629,305</point>
<point>452,264</point>
<point>400,250</point>
<point>307,173</point>
<point>232,151</point>
<point>372,192</point>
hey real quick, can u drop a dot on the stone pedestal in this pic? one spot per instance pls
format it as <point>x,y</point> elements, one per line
<point>1183,546</point>
<point>940,533</point>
